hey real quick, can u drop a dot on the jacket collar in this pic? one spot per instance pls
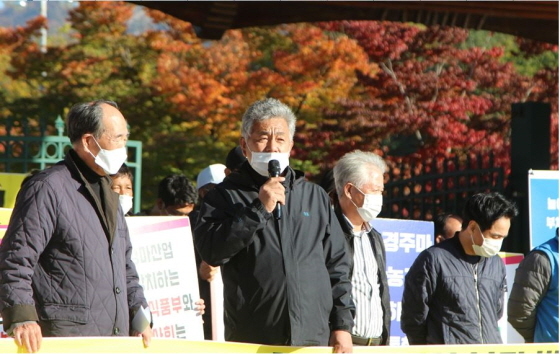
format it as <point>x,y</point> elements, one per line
<point>79,169</point>
<point>106,203</point>
<point>344,223</point>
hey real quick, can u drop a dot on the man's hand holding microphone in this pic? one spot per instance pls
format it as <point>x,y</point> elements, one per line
<point>272,193</point>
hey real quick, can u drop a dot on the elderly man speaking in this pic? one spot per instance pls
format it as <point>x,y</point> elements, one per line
<point>286,277</point>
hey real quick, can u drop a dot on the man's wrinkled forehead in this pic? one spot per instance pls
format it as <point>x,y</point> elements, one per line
<point>270,131</point>
<point>271,126</point>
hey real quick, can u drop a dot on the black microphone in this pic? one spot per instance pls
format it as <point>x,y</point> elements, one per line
<point>274,171</point>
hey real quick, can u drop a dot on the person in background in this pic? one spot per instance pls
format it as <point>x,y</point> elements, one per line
<point>359,184</point>
<point>454,290</point>
<point>207,179</point>
<point>533,301</point>
<point>65,260</point>
<point>446,226</point>
<point>286,276</point>
<point>234,160</point>
<point>176,196</point>
<point>122,185</point>
<point>327,182</point>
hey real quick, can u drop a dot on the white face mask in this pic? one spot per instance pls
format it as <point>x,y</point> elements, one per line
<point>259,161</point>
<point>371,207</point>
<point>126,203</point>
<point>490,246</point>
<point>110,160</point>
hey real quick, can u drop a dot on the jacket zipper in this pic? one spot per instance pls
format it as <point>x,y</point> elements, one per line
<point>475,268</point>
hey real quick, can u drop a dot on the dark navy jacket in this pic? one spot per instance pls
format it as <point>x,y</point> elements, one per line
<point>453,298</point>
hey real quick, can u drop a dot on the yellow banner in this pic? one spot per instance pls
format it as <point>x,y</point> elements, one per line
<point>162,345</point>
<point>5,214</point>
<point>10,183</point>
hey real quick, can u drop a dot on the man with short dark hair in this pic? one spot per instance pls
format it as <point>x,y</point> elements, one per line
<point>454,291</point>
<point>65,261</point>
<point>234,160</point>
<point>176,196</point>
<point>446,226</point>
<point>122,185</point>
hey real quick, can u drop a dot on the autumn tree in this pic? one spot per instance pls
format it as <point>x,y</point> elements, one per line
<point>209,86</point>
<point>407,91</point>
<point>432,98</point>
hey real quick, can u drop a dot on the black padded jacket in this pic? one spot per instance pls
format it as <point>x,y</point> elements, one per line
<point>286,282</point>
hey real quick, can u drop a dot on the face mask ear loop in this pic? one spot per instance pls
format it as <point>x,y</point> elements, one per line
<point>481,234</point>
<point>357,207</point>
<point>97,146</point>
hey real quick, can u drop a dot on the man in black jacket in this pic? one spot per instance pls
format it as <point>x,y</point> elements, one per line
<point>65,261</point>
<point>454,291</point>
<point>286,280</point>
<point>358,179</point>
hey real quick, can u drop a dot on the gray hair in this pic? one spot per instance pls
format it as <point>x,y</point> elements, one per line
<point>84,118</point>
<point>267,109</point>
<point>353,168</point>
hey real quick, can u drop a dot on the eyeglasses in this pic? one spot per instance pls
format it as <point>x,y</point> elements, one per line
<point>117,138</point>
<point>375,191</point>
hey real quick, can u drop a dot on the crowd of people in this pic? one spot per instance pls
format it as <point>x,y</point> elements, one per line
<point>301,263</point>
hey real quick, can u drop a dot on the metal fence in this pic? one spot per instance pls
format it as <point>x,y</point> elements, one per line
<point>423,191</point>
<point>27,145</point>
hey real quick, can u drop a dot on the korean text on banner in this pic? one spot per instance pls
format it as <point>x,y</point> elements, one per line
<point>404,240</point>
<point>163,252</point>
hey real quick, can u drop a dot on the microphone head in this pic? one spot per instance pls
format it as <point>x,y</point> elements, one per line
<point>274,168</point>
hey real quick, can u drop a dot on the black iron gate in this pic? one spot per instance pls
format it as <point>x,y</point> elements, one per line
<point>439,186</point>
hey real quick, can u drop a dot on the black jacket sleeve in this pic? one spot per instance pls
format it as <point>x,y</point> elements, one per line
<point>338,266</point>
<point>223,229</point>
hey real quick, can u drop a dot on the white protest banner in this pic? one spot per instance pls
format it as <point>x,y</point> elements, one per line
<point>164,256</point>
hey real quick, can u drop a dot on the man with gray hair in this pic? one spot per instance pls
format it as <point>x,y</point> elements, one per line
<point>286,277</point>
<point>358,179</point>
<point>65,261</point>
